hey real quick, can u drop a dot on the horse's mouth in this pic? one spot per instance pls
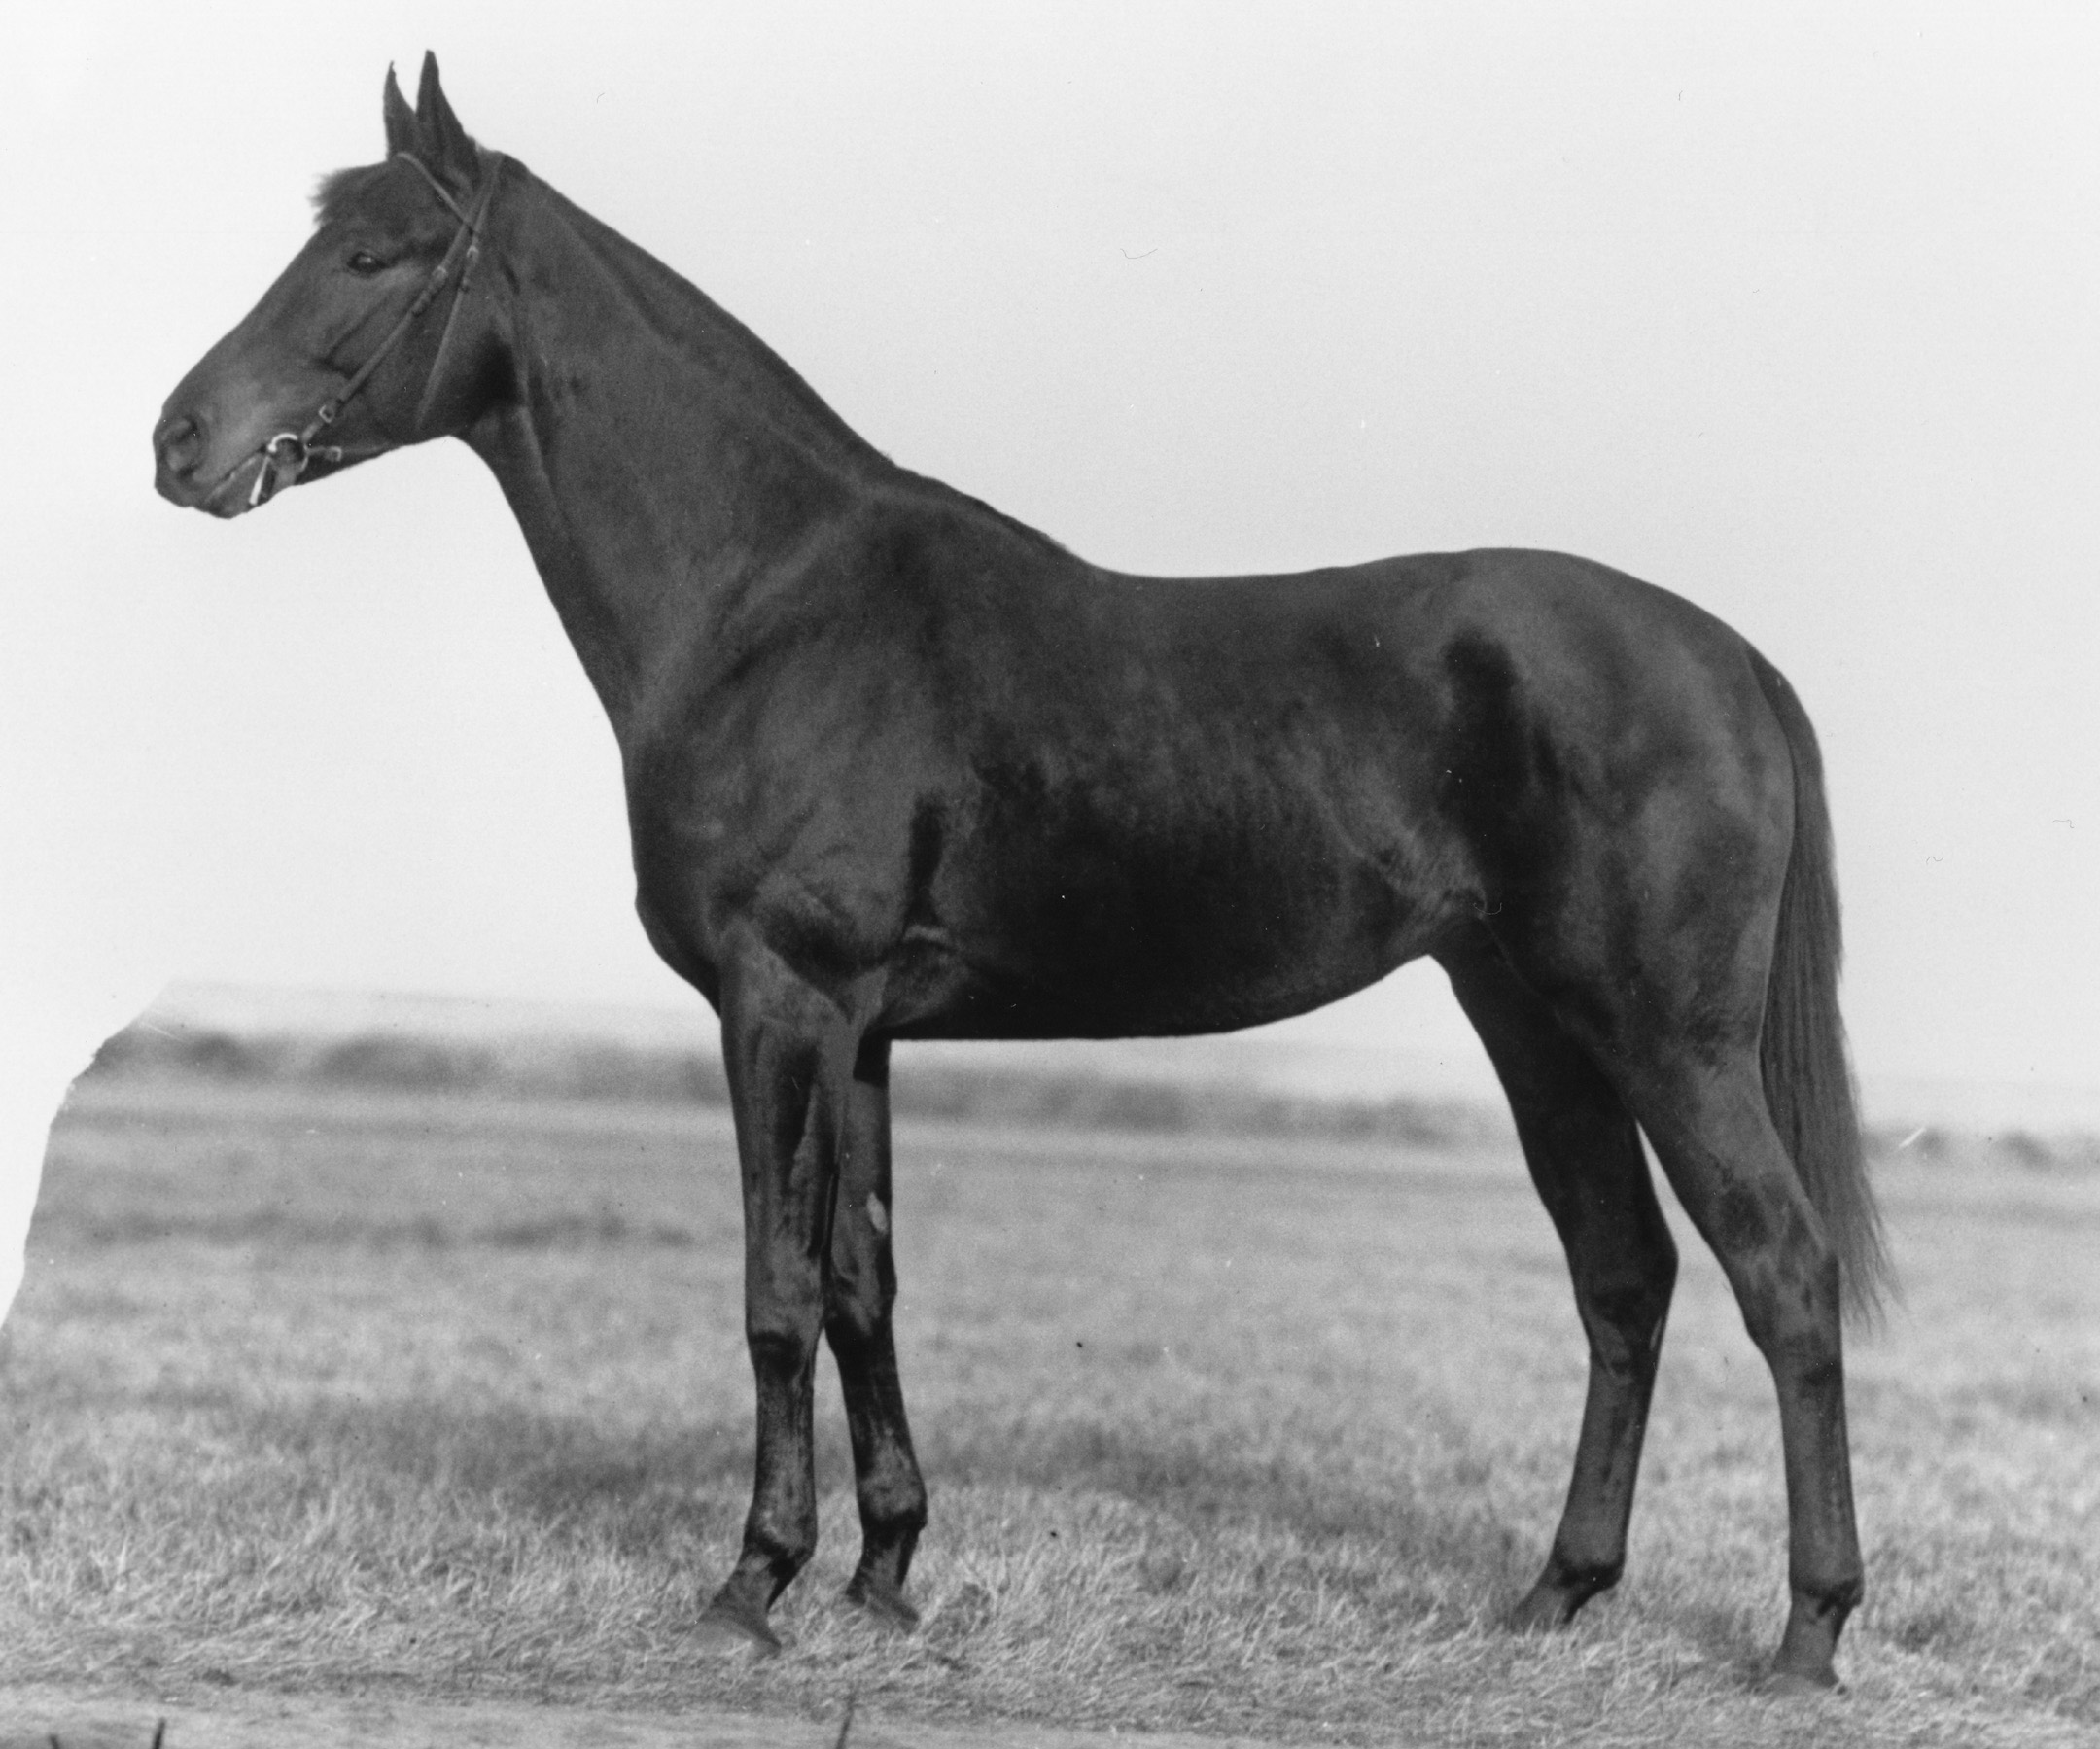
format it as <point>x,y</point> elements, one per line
<point>251,482</point>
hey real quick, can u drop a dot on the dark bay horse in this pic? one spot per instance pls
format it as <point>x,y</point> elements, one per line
<point>899,767</point>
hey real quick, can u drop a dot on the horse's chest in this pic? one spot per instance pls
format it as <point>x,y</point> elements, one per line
<point>723,852</point>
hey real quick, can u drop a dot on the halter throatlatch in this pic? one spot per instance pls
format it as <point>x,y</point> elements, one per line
<point>465,250</point>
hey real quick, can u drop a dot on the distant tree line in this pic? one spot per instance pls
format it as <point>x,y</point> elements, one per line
<point>590,1069</point>
<point>577,1069</point>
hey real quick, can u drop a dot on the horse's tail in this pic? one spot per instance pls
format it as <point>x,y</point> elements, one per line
<point>1808,1075</point>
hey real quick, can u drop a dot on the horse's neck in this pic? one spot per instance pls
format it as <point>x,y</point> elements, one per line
<point>659,458</point>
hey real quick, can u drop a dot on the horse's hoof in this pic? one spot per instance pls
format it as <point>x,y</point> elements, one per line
<point>1541,1610</point>
<point>1797,1684</point>
<point>883,1603</point>
<point>727,1628</point>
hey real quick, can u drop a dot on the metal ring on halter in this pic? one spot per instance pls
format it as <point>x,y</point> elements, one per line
<point>260,491</point>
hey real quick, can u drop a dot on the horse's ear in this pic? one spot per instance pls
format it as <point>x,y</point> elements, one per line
<point>401,122</point>
<point>444,142</point>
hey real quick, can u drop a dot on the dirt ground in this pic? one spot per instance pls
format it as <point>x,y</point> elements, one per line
<point>34,1718</point>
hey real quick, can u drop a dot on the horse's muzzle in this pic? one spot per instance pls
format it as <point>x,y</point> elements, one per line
<point>186,472</point>
<point>178,443</point>
<point>179,448</point>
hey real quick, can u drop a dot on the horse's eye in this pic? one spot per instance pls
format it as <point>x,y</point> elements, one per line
<point>364,261</point>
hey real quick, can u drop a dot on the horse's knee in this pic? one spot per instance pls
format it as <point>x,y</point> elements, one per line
<point>781,1349</point>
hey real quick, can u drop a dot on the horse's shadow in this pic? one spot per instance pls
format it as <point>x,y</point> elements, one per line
<point>675,1491</point>
<point>566,1468</point>
<point>640,1489</point>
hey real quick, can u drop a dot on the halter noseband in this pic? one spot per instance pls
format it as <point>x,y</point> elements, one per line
<point>464,250</point>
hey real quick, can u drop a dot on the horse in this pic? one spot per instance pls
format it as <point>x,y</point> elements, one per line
<point>900,767</point>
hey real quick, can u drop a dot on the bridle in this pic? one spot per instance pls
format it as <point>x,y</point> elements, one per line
<point>298,448</point>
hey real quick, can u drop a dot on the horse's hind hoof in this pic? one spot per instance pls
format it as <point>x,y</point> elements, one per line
<point>1543,1609</point>
<point>883,1603</point>
<point>729,1628</point>
<point>1793,1686</point>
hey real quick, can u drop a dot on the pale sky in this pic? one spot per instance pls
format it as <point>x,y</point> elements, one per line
<point>1795,311</point>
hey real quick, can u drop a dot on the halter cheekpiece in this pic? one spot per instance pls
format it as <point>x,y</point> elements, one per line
<point>298,448</point>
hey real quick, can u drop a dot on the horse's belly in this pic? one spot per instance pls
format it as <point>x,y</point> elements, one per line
<point>1150,939</point>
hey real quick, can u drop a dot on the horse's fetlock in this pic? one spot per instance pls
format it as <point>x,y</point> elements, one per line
<point>779,1552</point>
<point>1581,1580</point>
<point>894,1508</point>
<point>1831,1600</point>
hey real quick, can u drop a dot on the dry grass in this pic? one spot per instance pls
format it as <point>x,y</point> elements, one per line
<point>310,1389</point>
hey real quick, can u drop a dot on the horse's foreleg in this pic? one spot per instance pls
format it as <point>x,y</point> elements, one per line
<point>1714,1135</point>
<point>780,1047</point>
<point>1585,1156</point>
<point>858,1295</point>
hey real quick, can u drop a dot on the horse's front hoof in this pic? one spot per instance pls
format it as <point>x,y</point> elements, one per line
<point>730,1628</point>
<point>883,1603</point>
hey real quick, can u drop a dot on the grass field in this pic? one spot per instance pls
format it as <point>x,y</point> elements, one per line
<point>1256,1435</point>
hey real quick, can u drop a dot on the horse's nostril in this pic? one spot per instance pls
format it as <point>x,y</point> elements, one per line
<point>177,443</point>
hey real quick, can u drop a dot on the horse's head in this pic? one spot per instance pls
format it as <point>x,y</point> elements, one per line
<point>372,339</point>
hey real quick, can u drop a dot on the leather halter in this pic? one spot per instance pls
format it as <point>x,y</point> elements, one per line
<point>464,250</point>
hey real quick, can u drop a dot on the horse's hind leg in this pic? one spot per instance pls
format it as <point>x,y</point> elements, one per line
<point>1713,1132</point>
<point>1586,1159</point>
<point>859,1289</point>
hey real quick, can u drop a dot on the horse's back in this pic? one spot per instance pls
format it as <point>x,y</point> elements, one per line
<point>1019,794</point>
<point>1180,804</point>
